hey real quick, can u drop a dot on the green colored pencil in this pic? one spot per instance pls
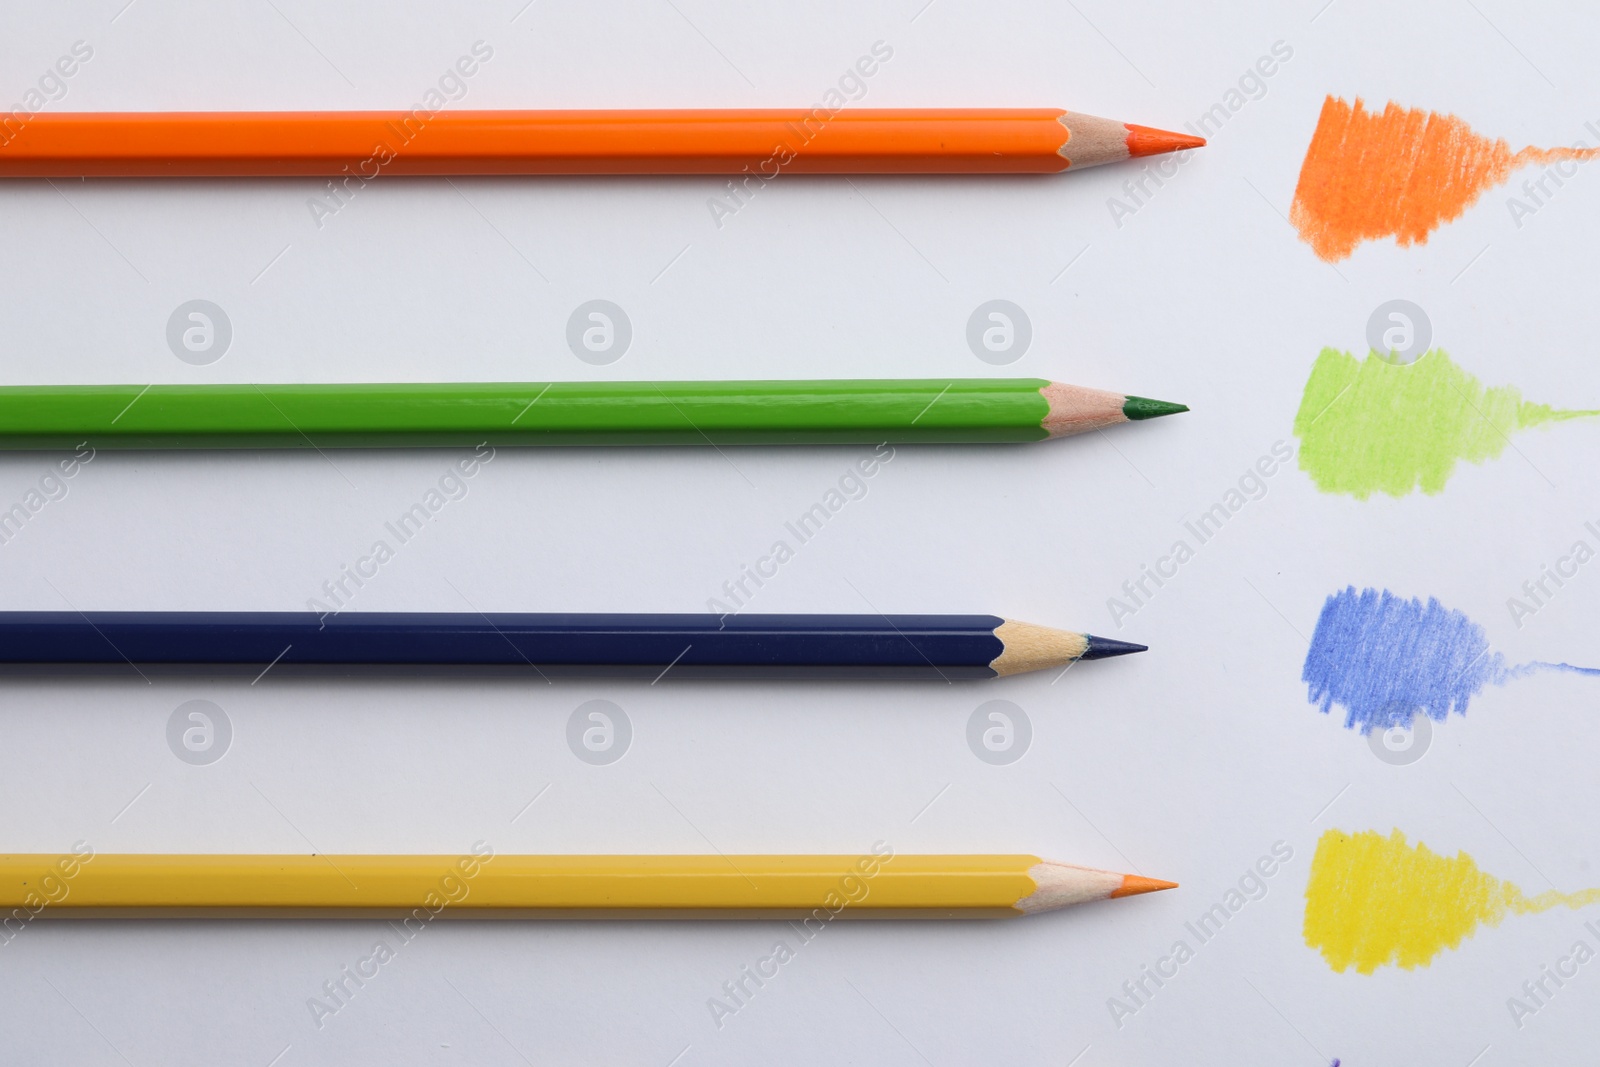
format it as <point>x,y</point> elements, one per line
<point>961,410</point>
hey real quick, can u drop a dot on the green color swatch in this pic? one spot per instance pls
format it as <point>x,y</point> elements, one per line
<point>1371,425</point>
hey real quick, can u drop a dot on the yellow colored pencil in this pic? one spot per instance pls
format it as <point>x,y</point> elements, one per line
<point>482,884</point>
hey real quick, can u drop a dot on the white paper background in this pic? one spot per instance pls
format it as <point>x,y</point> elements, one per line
<point>1187,763</point>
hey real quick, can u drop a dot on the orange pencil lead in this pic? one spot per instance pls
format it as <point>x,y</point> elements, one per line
<point>1149,141</point>
<point>1134,884</point>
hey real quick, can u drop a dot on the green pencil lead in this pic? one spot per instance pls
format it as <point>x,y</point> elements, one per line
<point>1137,408</point>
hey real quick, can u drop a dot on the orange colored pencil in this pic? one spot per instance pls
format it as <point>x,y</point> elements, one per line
<point>362,145</point>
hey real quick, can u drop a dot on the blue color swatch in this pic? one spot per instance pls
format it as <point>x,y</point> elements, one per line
<point>1384,659</point>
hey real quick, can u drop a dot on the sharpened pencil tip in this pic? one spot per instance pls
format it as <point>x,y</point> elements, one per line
<point>1105,648</point>
<point>1137,408</point>
<point>1149,141</point>
<point>1134,884</point>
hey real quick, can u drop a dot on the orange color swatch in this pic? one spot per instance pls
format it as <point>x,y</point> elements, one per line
<point>1400,174</point>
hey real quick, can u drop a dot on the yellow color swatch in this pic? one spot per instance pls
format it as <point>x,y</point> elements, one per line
<point>1374,900</point>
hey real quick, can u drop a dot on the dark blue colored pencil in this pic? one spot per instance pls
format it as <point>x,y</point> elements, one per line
<point>951,646</point>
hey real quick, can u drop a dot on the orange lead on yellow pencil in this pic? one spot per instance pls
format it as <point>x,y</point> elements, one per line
<point>879,883</point>
<point>1134,884</point>
<point>361,145</point>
